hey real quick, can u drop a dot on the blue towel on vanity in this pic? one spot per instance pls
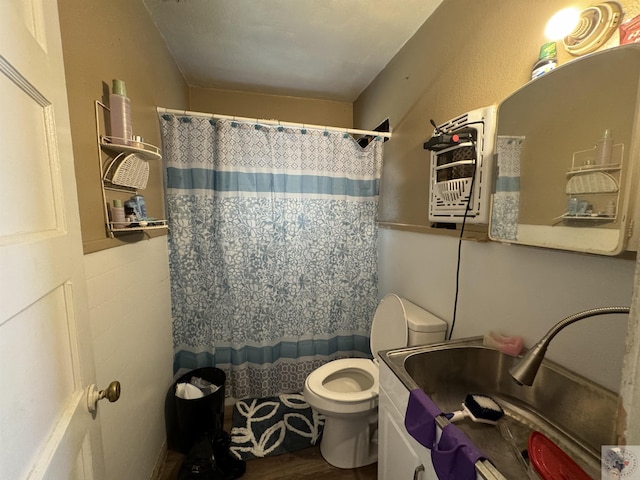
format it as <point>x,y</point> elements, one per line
<point>455,456</point>
<point>420,418</point>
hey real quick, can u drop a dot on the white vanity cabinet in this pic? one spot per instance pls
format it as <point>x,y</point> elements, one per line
<point>400,456</point>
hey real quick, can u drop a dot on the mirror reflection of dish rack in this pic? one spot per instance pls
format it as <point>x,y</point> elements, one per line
<point>593,188</point>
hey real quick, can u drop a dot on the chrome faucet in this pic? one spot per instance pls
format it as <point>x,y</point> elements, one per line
<point>525,371</point>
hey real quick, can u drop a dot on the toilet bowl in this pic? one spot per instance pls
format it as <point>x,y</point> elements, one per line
<point>345,391</point>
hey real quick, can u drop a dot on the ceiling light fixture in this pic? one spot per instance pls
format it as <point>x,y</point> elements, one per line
<point>595,26</point>
<point>562,23</point>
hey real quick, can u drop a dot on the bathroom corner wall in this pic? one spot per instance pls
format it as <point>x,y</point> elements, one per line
<point>128,285</point>
<point>469,55</point>
<point>103,41</point>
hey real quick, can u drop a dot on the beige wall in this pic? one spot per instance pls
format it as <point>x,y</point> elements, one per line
<point>466,56</point>
<point>128,286</point>
<point>272,107</point>
<point>469,55</point>
<point>103,41</point>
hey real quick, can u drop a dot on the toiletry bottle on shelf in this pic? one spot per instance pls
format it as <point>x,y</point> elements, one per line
<point>547,60</point>
<point>141,207</point>
<point>611,208</point>
<point>117,214</point>
<point>604,148</point>
<point>130,208</point>
<point>120,113</point>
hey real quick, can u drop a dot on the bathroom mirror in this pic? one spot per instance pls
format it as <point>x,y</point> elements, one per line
<point>565,152</point>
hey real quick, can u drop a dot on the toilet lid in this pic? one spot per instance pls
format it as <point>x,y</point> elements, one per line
<point>389,327</point>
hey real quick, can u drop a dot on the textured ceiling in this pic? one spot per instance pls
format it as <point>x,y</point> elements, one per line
<point>325,49</point>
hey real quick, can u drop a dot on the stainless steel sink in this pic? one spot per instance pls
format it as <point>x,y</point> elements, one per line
<point>574,412</point>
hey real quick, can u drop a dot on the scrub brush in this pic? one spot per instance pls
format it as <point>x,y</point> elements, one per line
<point>479,408</point>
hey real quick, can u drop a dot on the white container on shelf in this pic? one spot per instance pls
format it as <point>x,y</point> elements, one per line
<point>120,114</point>
<point>117,214</point>
<point>604,149</point>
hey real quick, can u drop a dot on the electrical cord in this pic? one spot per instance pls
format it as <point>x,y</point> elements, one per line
<point>464,221</point>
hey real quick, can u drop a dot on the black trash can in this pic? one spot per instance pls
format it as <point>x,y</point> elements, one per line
<point>192,418</point>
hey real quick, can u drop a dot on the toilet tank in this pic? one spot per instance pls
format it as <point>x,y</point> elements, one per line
<point>424,327</point>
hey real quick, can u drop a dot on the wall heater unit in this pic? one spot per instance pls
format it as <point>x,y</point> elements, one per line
<point>461,167</point>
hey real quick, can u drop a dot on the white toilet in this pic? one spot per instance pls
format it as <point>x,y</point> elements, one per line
<point>345,391</point>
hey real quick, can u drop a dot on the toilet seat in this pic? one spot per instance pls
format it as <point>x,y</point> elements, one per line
<point>349,370</point>
<point>388,330</point>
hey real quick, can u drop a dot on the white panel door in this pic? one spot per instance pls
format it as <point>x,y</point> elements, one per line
<point>46,359</point>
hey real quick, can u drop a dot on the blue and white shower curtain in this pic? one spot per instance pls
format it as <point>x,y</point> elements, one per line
<point>272,245</point>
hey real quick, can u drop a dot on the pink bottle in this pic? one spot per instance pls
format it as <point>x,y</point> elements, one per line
<point>120,110</point>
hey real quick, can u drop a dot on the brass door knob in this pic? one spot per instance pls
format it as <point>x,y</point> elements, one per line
<point>111,393</point>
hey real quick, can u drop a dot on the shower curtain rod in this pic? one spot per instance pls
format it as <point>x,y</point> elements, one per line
<point>276,122</point>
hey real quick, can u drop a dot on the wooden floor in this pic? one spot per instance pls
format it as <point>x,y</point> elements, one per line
<point>304,464</point>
